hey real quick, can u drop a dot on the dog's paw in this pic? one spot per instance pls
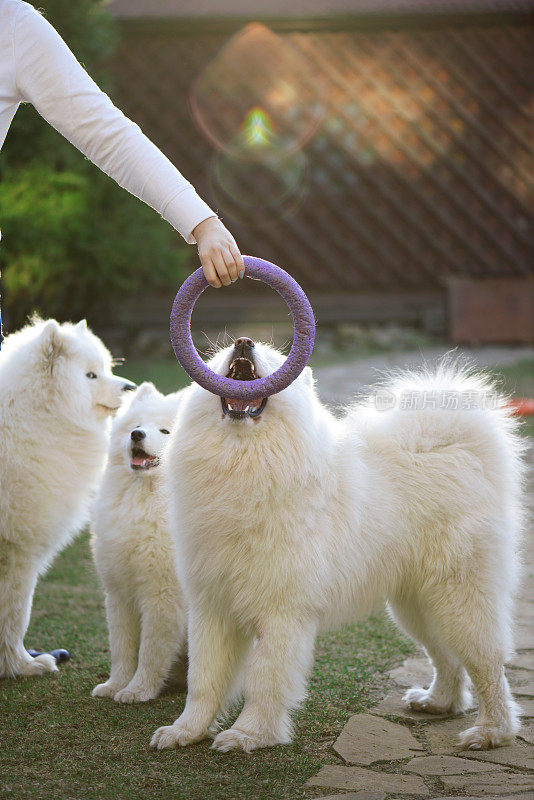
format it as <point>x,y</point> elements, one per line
<point>235,739</point>
<point>422,700</point>
<point>135,694</point>
<point>39,665</point>
<point>106,689</point>
<point>484,737</point>
<point>174,736</point>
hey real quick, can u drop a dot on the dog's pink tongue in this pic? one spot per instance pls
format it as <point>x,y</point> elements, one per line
<point>138,461</point>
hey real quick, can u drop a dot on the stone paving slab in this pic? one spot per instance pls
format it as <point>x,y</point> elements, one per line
<point>443,736</point>
<point>471,797</point>
<point>414,671</point>
<point>418,671</point>
<point>523,607</point>
<point>366,739</point>
<point>527,733</point>
<point>521,682</point>
<point>524,636</point>
<point>448,765</point>
<point>524,691</point>
<point>523,660</point>
<point>358,796</point>
<point>339,777</point>
<point>517,755</point>
<point>527,706</point>
<point>490,785</point>
<point>526,591</point>
<point>394,706</point>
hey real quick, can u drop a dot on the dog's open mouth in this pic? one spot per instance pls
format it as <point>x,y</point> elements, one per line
<point>242,369</point>
<point>140,459</point>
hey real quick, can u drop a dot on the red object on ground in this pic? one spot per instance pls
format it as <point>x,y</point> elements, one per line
<point>522,406</point>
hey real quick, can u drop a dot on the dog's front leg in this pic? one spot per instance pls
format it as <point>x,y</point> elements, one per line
<point>215,650</point>
<point>163,636</point>
<point>124,627</point>
<point>275,683</point>
<point>18,576</point>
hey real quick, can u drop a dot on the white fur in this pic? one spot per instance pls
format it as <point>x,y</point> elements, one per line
<point>135,556</point>
<point>54,429</point>
<point>298,521</point>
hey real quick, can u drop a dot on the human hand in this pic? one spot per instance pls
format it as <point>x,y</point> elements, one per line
<point>218,252</point>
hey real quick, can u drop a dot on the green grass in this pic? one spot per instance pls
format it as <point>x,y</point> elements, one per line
<point>519,377</point>
<point>165,373</point>
<point>57,741</point>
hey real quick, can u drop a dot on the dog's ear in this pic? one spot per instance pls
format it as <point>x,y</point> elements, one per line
<point>174,400</point>
<point>307,374</point>
<point>81,327</point>
<point>147,389</point>
<point>52,343</point>
<point>177,397</point>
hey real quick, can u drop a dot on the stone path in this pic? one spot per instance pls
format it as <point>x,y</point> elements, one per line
<point>393,753</point>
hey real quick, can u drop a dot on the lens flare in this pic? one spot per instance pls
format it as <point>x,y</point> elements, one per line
<point>258,90</point>
<point>257,129</point>
<point>259,192</point>
<point>258,101</point>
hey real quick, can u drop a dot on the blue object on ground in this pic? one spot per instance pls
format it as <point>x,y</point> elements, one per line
<point>61,656</point>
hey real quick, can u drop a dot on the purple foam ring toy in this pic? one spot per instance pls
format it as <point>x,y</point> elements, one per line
<point>304,333</point>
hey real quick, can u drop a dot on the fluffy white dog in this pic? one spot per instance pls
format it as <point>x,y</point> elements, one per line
<point>289,521</point>
<point>57,394</point>
<point>135,555</point>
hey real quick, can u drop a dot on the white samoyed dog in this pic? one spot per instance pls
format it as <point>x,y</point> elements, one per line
<point>135,554</point>
<point>57,394</point>
<point>289,521</point>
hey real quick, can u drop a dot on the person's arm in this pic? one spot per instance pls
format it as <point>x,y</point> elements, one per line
<point>49,76</point>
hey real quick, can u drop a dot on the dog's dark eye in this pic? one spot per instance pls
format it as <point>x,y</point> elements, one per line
<point>163,430</point>
<point>91,375</point>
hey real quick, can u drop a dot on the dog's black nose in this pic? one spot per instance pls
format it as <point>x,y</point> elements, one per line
<point>137,435</point>
<point>129,386</point>
<point>243,347</point>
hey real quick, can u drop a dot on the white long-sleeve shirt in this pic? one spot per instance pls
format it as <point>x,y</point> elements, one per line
<point>37,66</point>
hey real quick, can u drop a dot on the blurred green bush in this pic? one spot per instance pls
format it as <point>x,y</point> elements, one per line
<point>73,243</point>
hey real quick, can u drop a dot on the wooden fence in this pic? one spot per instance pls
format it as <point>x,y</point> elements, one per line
<point>369,163</point>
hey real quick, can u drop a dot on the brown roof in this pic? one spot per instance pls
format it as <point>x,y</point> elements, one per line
<point>308,8</point>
